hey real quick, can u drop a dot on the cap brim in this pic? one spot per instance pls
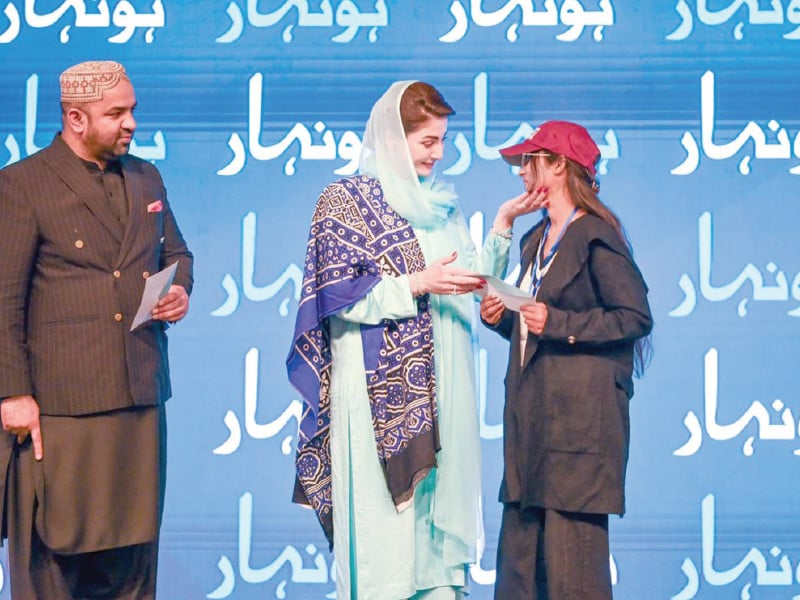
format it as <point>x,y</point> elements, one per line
<point>513,154</point>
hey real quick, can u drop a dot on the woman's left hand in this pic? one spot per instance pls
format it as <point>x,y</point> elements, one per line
<point>535,316</point>
<point>492,309</point>
<point>525,203</point>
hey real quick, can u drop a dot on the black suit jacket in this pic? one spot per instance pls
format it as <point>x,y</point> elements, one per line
<point>566,417</point>
<point>71,280</point>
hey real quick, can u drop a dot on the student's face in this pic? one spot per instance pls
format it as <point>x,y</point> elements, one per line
<point>536,170</point>
<point>426,145</point>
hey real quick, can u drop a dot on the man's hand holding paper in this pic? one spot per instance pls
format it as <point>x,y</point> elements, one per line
<point>172,307</point>
<point>161,300</point>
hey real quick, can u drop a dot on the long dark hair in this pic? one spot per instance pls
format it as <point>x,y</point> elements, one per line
<point>583,189</point>
<point>420,102</point>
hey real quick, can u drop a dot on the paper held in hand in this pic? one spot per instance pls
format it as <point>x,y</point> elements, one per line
<point>155,287</point>
<point>512,297</point>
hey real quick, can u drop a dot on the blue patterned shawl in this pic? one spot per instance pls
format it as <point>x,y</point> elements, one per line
<point>355,239</point>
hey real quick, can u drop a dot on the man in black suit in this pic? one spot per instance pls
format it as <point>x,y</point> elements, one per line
<point>82,226</point>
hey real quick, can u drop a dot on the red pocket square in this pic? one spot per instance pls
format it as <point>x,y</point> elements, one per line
<point>155,206</point>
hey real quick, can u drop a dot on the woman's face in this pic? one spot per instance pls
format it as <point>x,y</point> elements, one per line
<point>426,145</point>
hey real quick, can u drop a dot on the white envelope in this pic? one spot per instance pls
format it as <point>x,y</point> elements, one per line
<point>155,288</point>
<point>513,297</point>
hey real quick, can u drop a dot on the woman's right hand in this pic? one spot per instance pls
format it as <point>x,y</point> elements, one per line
<point>440,278</point>
<point>492,309</point>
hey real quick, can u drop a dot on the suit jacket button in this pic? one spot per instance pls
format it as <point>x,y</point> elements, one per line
<point>79,244</point>
<point>117,274</point>
<point>118,317</point>
<point>146,274</point>
<point>571,339</point>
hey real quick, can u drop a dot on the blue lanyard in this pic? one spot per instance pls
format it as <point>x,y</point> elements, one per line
<point>541,265</point>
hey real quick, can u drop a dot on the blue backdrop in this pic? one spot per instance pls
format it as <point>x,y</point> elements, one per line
<point>250,108</point>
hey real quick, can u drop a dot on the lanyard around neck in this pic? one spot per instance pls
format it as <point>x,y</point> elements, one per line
<point>542,264</point>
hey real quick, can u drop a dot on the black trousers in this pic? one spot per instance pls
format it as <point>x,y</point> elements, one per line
<point>547,554</point>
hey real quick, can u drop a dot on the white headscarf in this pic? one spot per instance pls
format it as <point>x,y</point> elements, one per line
<point>425,202</point>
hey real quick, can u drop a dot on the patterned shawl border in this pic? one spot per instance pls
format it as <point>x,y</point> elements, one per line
<point>304,371</point>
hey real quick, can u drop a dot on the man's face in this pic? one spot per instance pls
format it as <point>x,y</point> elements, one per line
<point>110,123</point>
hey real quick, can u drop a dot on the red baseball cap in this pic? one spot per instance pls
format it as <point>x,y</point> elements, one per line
<point>559,137</point>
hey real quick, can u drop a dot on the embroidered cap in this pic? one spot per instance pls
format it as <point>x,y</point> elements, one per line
<point>87,81</point>
<point>560,137</point>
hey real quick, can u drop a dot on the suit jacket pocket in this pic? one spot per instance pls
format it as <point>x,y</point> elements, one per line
<point>71,320</point>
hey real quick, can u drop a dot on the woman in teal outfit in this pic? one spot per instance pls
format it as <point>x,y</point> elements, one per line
<point>389,453</point>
